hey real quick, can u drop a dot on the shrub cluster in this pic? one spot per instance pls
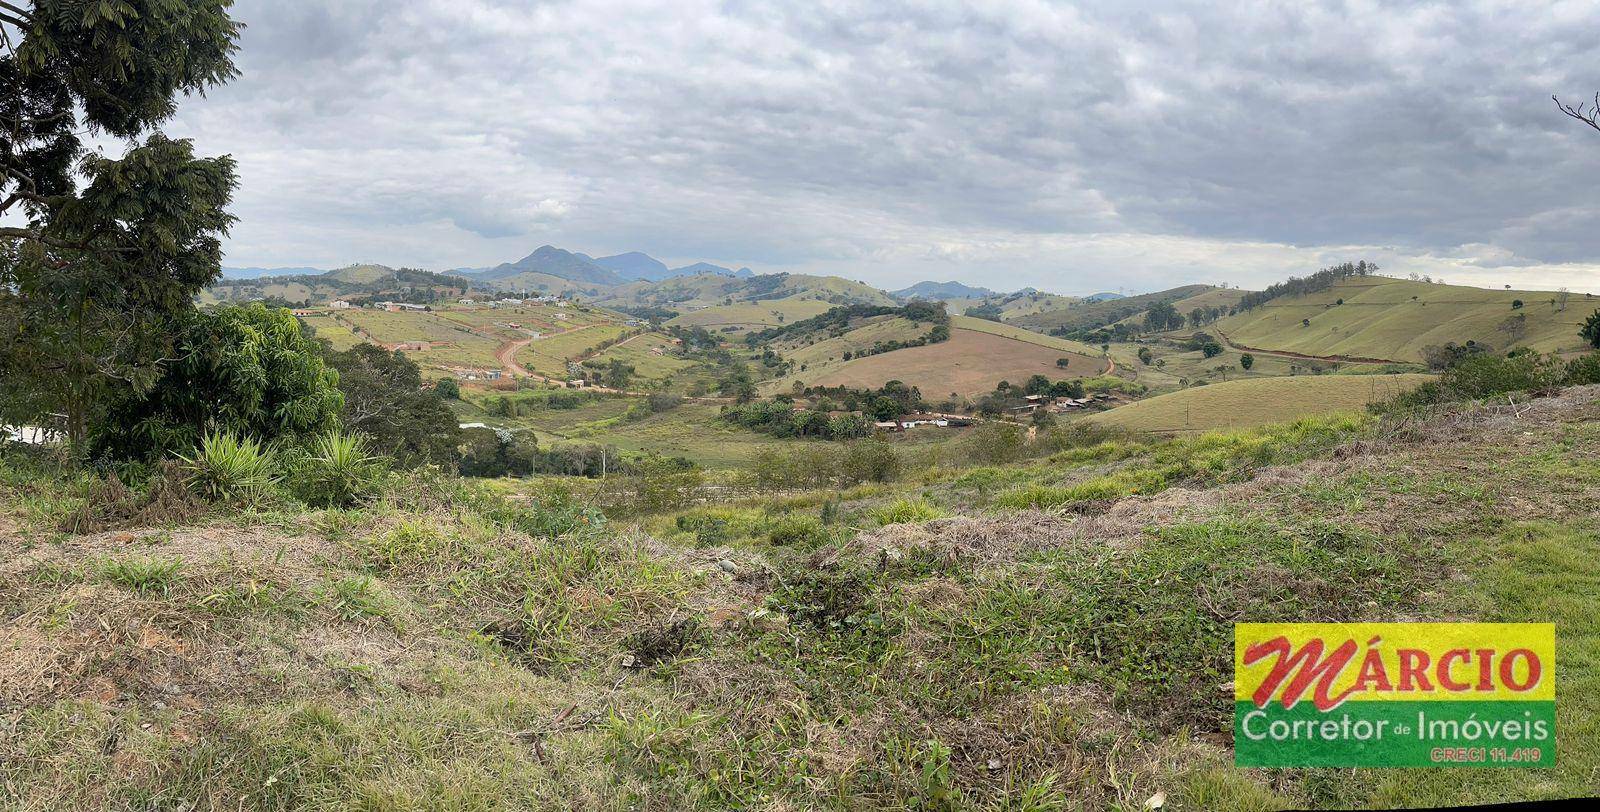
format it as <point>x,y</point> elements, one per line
<point>782,419</point>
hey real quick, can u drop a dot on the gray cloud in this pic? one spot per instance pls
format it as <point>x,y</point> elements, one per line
<point>1070,147</point>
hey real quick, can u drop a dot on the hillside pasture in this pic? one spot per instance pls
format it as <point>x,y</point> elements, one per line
<point>830,351</point>
<point>1396,319</point>
<point>1022,334</point>
<point>1255,402</point>
<point>747,316</point>
<point>450,345</point>
<point>651,355</point>
<point>548,355</point>
<point>971,363</point>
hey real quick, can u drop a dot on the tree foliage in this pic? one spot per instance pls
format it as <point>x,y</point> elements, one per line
<point>97,281</point>
<point>1297,286</point>
<point>242,369</point>
<point>384,398</point>
<point>1590,331</point>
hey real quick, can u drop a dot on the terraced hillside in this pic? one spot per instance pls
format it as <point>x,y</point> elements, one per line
<point>1396,319</point>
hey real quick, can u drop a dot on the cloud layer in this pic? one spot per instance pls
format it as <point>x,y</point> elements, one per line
<point>1008,143</point>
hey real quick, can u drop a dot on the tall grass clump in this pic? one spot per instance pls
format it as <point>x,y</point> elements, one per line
<point>337,471</point>
<point>908,511</point>
<point>230,468</point>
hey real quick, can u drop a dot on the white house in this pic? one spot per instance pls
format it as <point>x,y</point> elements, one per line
<point>340,304</point>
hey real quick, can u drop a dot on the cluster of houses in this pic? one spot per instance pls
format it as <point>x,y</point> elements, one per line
<point>1061,405</point>
<point>478,374</point>
<point>913,421</point>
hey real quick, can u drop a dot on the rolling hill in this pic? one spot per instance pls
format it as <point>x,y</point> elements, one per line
<point>693,293</point>
<point>1395,319</point>
<point>355,282</point>
<point>941,291</point>
<point>1089,315</point>
<point>978,355</point>
<point>1255,402</point>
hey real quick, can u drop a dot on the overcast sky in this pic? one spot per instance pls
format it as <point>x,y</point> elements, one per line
<point>1071,147</point>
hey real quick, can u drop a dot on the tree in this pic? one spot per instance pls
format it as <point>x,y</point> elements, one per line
<point>885,407</point>
<point>448,389</point>
<point>1588,114</point>
<point>1145,355</point>
<point>1590,331</point>
<point>1515,327</point>
<point>1162,316</point>
<point>1062,363</point>
<point>1516,304</point>
<point>1210,349</point>
<point>98,282</point>
<point>1247,361</point>
<point>384,399</point>
<point>245,369</point>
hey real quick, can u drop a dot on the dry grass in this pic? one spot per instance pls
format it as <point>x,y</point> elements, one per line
<point>435,651</point>
<point>969,364</point>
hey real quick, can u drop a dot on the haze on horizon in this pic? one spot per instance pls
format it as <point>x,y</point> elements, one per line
<point>1067,147</point>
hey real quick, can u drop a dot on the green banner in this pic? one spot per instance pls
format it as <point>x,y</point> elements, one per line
<point>1492,733</point>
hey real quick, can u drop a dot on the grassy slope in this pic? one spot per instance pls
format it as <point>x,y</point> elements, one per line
<point>1255,402</point>
<point>331,660</point>
<point>549,355</point>
<point>753,315</point>
<point>707,290</point>
<point>1379,319</point>
<point>649,366</point>
<point>829,352</point>
<point>1021,334</point>
<point>1089,314</point>
<point>970,363</point>
<point>328,660</point>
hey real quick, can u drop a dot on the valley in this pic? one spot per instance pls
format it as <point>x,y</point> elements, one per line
<point>696,338</point>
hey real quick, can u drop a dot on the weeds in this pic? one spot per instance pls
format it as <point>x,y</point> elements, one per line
<point>146,575</point>
<point>908,511</point>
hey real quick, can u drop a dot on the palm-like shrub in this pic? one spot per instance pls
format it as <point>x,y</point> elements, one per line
<point>230,468</point>
<point>337,471</point>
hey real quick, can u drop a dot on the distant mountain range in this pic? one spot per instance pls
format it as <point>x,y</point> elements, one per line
<point>1103,297</point>
<point>941,290</point>
<point>618,269</point>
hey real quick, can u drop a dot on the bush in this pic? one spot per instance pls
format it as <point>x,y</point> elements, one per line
<point>249,370</point>
<point>228,468</point>
<point>1584,369</point>
<point>337,471</point>
<point>1484,376</point>
<point>870,461</point>
<point>448,389</point>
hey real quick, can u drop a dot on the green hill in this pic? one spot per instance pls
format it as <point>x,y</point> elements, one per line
<point>1397,319</point>
<point>691,293</point>
<point>1255,402</point>
<point>1078,316</point>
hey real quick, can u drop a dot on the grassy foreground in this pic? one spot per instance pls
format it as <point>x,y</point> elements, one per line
<point>1043,636</point>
